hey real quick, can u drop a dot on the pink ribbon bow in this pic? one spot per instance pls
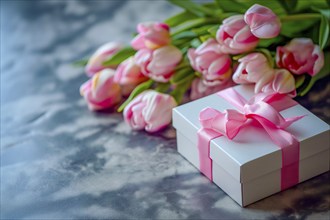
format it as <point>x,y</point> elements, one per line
<point>262,108</point>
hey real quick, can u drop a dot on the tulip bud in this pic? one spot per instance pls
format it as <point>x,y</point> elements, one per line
<point>235,37</point>
<point>100,92</point>
<point>300,56</point>
<point>262,21</point>
<point>151,35</point>
<point>128,75</point>
<point>150,110</point>
<point>254,68</point>
<point>158,64</point>
<point>105,52</point>
<point>283,83</point>
<point>208,59</point>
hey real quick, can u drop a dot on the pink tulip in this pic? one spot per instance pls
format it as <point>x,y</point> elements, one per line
<point>100,92</point>
<point>158,64</point>
<point>235,37</point>
<point>199,89</point>
<point>208,59</point>
<point>152,35</point>
<point>150,110</point>
<point>300,56</point>
<point>262,21</point>
<point>282,83</point>
<point>128,75</point>
<point>102,54</point>
<point>254,68</point>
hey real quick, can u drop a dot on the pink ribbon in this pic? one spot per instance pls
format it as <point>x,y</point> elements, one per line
<point>262,108</point>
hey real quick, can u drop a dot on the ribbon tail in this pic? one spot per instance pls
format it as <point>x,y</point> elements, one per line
<point>205,162</point>
<point>290,149</point>
<point>290,160</point>
<point>289,121</point>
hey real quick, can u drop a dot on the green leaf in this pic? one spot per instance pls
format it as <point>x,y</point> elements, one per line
<point>180,18</point>
<point>303,86</point>
<point>268,42</point>
<point>239,56</point>
<point>292,28</point>
<point>195,43</point>
<point>325,12</point>
<point>119,57</point>
<point>186,45</point>
<point>213,30</point>
<point>183,64</point>
<point>308,87</point>
<point>181,43</point>
<point>184,50</point>
<point>180,75</point>
<point>324,31</point>
<point>195,23</point>
<point>205,37</point>
<point>198,10</point>
<point>307,5</point>
<point>218,3</point>
<point>314,33</point>
<point>274,5</point>
<point>288,5</point>
<point>211,5</point>
<point>139,89</point>
<point>203,29</point>
<point>324,72</point>
<point>185,34</point>
<point>299,80</point>
<point>291,3</point>
<point>82,62</point>
<point>182,87</point>
<point>162,87</point>
<point>231,6</point>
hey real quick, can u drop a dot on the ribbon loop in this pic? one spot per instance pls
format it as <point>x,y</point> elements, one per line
<point>227,123</point>
<point>206,117</point>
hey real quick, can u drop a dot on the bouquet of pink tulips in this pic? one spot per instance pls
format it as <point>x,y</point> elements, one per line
<point>279,46</point>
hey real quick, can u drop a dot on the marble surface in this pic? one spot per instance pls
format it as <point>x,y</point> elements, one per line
<point>58,160</point>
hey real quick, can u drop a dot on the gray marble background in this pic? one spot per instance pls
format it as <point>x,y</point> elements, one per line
<point>59,160</point>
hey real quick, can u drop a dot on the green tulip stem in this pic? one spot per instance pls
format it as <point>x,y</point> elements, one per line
<point>299,17</point>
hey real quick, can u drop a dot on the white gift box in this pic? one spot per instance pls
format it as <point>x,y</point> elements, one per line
<point>248,168</point>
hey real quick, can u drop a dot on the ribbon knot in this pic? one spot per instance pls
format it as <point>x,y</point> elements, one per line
<point>229,123</point>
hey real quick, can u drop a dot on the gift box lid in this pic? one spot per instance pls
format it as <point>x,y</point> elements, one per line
<point>251,153</point>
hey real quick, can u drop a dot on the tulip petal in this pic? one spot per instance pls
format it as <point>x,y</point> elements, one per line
<point>283,82</point>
